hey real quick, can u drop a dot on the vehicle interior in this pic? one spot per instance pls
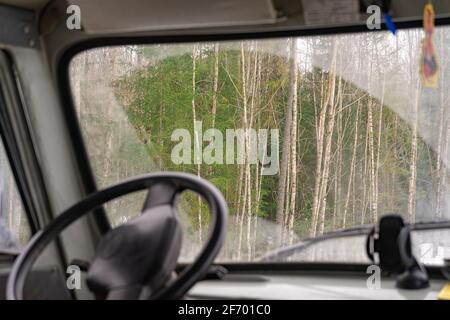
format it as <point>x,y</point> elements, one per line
<point>224,149</point>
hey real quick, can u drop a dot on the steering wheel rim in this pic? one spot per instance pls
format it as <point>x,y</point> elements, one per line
<point>182,181</point>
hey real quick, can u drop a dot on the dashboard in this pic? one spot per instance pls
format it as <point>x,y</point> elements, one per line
<point>309,286</point>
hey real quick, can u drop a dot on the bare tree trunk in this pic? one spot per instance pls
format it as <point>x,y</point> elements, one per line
<point>364,177</point>
<point>197,138</point>
<point>323,190</point>
<point>293,155</point>
<point>377,161</point>
<point>413,160</point>
<point>352,168</point>
<point>439,172</point>
<point>327,153</point>
<point>393,176</point>
<point>338,166</point>
<point>249,119</point>
<point>320,129</point>
<point>373,204</point>
<point>215,90</point>
<point>281,192</point>
<point>246,167</point>
<point>259,174</point>
<point>215,84</point>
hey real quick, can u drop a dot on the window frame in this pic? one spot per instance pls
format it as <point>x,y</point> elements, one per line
<point>12,121</point>
<point>62,72</point>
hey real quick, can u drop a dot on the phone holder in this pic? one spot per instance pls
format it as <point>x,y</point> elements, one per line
<point>389,245</point>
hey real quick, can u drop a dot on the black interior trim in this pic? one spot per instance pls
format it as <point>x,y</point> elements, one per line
<point>302,267</point>
<point>63,62</point>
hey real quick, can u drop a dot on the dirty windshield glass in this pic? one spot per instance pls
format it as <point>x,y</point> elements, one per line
<point>303,136</point>
<point>14,227</point>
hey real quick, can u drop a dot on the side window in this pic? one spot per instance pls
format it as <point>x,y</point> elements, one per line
<point>14,228</point>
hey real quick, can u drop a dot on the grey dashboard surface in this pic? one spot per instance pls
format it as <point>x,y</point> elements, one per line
<point>308,287</point>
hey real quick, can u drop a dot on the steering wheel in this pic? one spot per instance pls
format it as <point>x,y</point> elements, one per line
<point>136,260</point>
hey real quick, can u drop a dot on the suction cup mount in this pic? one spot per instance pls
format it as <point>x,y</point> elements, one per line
<point>389,245</point>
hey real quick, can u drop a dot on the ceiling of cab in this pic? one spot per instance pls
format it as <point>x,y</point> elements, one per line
<point>138,15</point>
<point>103,16</point>
<point>118,16</point>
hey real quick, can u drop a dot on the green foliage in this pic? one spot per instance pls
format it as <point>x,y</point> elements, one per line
<point>158,99</point>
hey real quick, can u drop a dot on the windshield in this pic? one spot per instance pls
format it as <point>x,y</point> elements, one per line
<point>303,136</point>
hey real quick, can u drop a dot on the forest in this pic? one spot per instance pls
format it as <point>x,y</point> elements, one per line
<point>358,135</point>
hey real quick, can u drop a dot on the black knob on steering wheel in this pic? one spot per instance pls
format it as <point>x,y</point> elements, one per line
<point>136,260</point>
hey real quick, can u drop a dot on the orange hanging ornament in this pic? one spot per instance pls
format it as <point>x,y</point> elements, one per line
<point>429,66</point>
